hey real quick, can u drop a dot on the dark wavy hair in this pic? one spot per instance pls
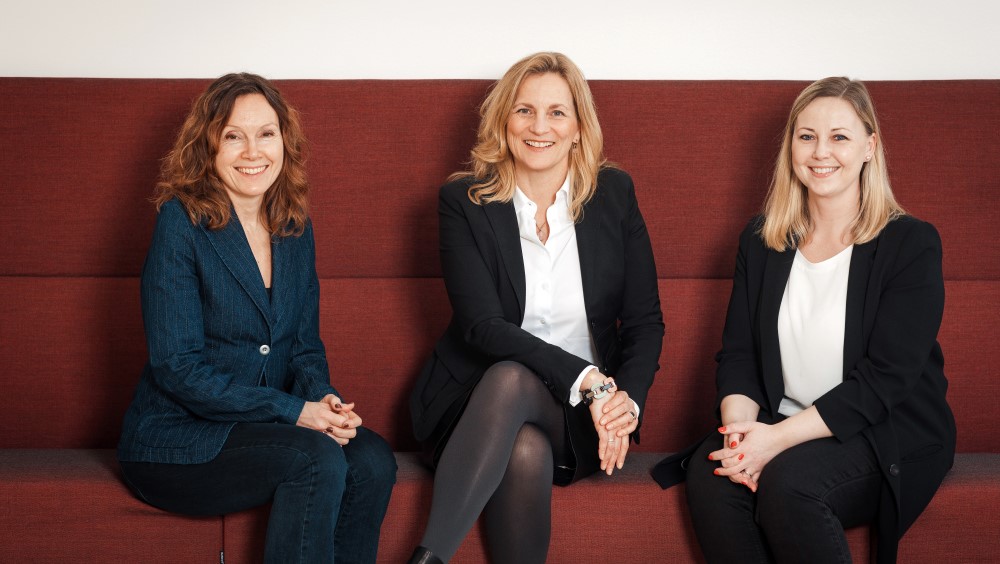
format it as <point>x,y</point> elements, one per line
<point>188,172</point>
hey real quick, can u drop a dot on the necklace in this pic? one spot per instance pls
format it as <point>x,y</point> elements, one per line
<point>539,229</point>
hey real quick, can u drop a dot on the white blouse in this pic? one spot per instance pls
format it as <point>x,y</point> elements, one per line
<point>554,309</point>
<point>811,329</point>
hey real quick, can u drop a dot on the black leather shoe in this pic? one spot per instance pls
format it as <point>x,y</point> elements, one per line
<point>423,556</point>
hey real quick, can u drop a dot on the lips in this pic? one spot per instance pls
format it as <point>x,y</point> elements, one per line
<point>823,171</point>
<point>251,170</point>
<point>539,144</point>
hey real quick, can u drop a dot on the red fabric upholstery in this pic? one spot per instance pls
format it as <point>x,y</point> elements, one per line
<point>80,162</point>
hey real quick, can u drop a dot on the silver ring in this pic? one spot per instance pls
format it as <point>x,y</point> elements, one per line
<point>744,472</point>
<point>611,441</point>
<point>632,413</point>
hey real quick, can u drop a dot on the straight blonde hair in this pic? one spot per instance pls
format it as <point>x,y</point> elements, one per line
<point>786,213</point>
<point>492,164</point>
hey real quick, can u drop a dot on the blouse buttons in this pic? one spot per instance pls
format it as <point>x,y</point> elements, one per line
<point>264,350</point>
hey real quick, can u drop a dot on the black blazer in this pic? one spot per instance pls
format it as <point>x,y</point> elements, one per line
<point>484,276</point>
<point>894,385</point>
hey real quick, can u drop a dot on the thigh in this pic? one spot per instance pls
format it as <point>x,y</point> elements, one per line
<point>842,475</point>
<point>254,461</point>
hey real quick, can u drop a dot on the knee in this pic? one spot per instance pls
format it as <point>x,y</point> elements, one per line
<point>320,456</point>
<point>370,459</point>
<point>506,383</point>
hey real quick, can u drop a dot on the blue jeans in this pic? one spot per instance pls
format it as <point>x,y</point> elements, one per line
<point>315,487</point>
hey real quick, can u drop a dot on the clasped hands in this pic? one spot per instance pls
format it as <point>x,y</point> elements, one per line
<point>615,419</point>
<point>747,448</point>
<point>332,417</point>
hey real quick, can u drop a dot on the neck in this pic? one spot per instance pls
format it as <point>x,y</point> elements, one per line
<point>541,188</point>
<point>247,210</point>
<point>831,220</point>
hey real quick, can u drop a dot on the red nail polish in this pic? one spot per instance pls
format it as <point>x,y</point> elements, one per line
<point>337,406</point>
<point>732,444</point>
<point>722,429</point>
<point>744,482</point>
<point>346,424</point>
<point>710,457</point>
<point>740,457</point>
<point>716,471</point>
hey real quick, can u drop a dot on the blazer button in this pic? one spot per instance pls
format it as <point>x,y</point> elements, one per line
<point>264,350</point>
<point>894,470</point>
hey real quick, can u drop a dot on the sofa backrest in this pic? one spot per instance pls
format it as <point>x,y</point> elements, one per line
<point>80,158</point>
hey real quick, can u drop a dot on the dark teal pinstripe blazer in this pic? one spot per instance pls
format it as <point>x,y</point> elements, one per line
<point>220,350</point>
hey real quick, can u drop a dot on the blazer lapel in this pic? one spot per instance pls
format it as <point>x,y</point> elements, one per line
<point>776,271</point>
<point>233,248</point>
<point>587,233</point>
<point>503,220</point>
<point>862,258</point>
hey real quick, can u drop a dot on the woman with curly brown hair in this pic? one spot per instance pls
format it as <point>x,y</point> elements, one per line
<point>235,408</point>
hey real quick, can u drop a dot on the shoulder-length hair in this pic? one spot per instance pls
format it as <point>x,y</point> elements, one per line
<point>188,171</point>
<point>786,211</point>
<point>492,163</point>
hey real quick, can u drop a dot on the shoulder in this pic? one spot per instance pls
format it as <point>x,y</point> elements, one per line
<point>456,189</point>
<point>908,228</point>
<point>614,180</point>
<point>172,220</point>
<point>750,236</point>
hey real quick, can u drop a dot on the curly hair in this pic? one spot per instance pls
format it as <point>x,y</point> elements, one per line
<point>188,172</point>
<point>492,164</point>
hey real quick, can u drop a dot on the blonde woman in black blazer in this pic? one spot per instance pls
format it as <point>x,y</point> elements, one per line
<point>780,482</point>
<point>494,405</point>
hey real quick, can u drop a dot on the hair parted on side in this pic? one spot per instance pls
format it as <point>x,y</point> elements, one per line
<point>492,163</point>
<point>188,171</point>
<point>786,211</point>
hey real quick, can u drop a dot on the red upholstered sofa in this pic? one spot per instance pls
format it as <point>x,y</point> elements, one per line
<point>79,159</point>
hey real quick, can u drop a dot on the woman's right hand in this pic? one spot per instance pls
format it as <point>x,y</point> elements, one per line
<point>331,417</point>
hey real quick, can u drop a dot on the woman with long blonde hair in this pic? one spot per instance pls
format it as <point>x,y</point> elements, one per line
<point>542,375</point>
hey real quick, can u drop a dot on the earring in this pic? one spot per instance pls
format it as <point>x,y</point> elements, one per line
<point>868,158</point>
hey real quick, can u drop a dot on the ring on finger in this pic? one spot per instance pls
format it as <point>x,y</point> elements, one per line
<point>611,441</point>
<point>632,413</point>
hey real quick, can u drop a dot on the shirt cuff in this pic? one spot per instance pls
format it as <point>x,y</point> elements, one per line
<point>575,396</point>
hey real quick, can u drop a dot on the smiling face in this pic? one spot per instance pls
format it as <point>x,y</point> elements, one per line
<point>830,144</point>
<point>542,128</point>
<point>251,150</point>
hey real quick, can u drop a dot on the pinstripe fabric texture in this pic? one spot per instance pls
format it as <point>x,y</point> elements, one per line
<point>220,350</point>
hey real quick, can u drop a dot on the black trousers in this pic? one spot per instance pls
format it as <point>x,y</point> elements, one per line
<point>806,497</point>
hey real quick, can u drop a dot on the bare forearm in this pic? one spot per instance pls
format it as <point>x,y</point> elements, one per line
<point>737,407</point>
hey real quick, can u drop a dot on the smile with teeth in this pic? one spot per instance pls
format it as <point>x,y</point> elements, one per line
<point>823,170</point>
<point>254,170</point>
<point>539,144</point>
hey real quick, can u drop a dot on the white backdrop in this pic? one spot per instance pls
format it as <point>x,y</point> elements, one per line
<point>624,39</point>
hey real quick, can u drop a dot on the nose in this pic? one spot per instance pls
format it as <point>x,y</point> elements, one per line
<point>250,151</point>
<point>821,149</point>
<point>540,124</point>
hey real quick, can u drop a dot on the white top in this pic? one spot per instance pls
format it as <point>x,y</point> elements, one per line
<point>554,310</point>
<point>811,329</point>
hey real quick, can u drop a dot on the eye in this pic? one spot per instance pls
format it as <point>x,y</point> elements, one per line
<point>268,133</point>
<point>839,137</point>
<point>558,113</point>
<point>806,137</point>
<point>231,136</point>
<point>522,111</point>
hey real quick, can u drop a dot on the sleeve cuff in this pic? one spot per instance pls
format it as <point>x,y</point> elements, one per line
<point>575,396</point>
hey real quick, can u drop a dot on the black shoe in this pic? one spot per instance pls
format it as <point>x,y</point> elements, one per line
<point>423,556</point>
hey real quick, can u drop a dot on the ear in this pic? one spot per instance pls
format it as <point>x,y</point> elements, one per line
<point>872,143</point>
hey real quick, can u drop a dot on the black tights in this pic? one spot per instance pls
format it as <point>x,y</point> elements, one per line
<point>499,458</point>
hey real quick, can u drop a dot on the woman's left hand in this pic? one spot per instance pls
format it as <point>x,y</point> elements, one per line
<point>746,461</point>
<point>613,424</point>
<point>348,429</point>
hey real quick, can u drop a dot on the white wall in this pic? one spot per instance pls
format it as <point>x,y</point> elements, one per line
<point>641,39</point>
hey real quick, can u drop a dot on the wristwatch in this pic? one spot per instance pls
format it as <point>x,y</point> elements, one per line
<point>597,391</point>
